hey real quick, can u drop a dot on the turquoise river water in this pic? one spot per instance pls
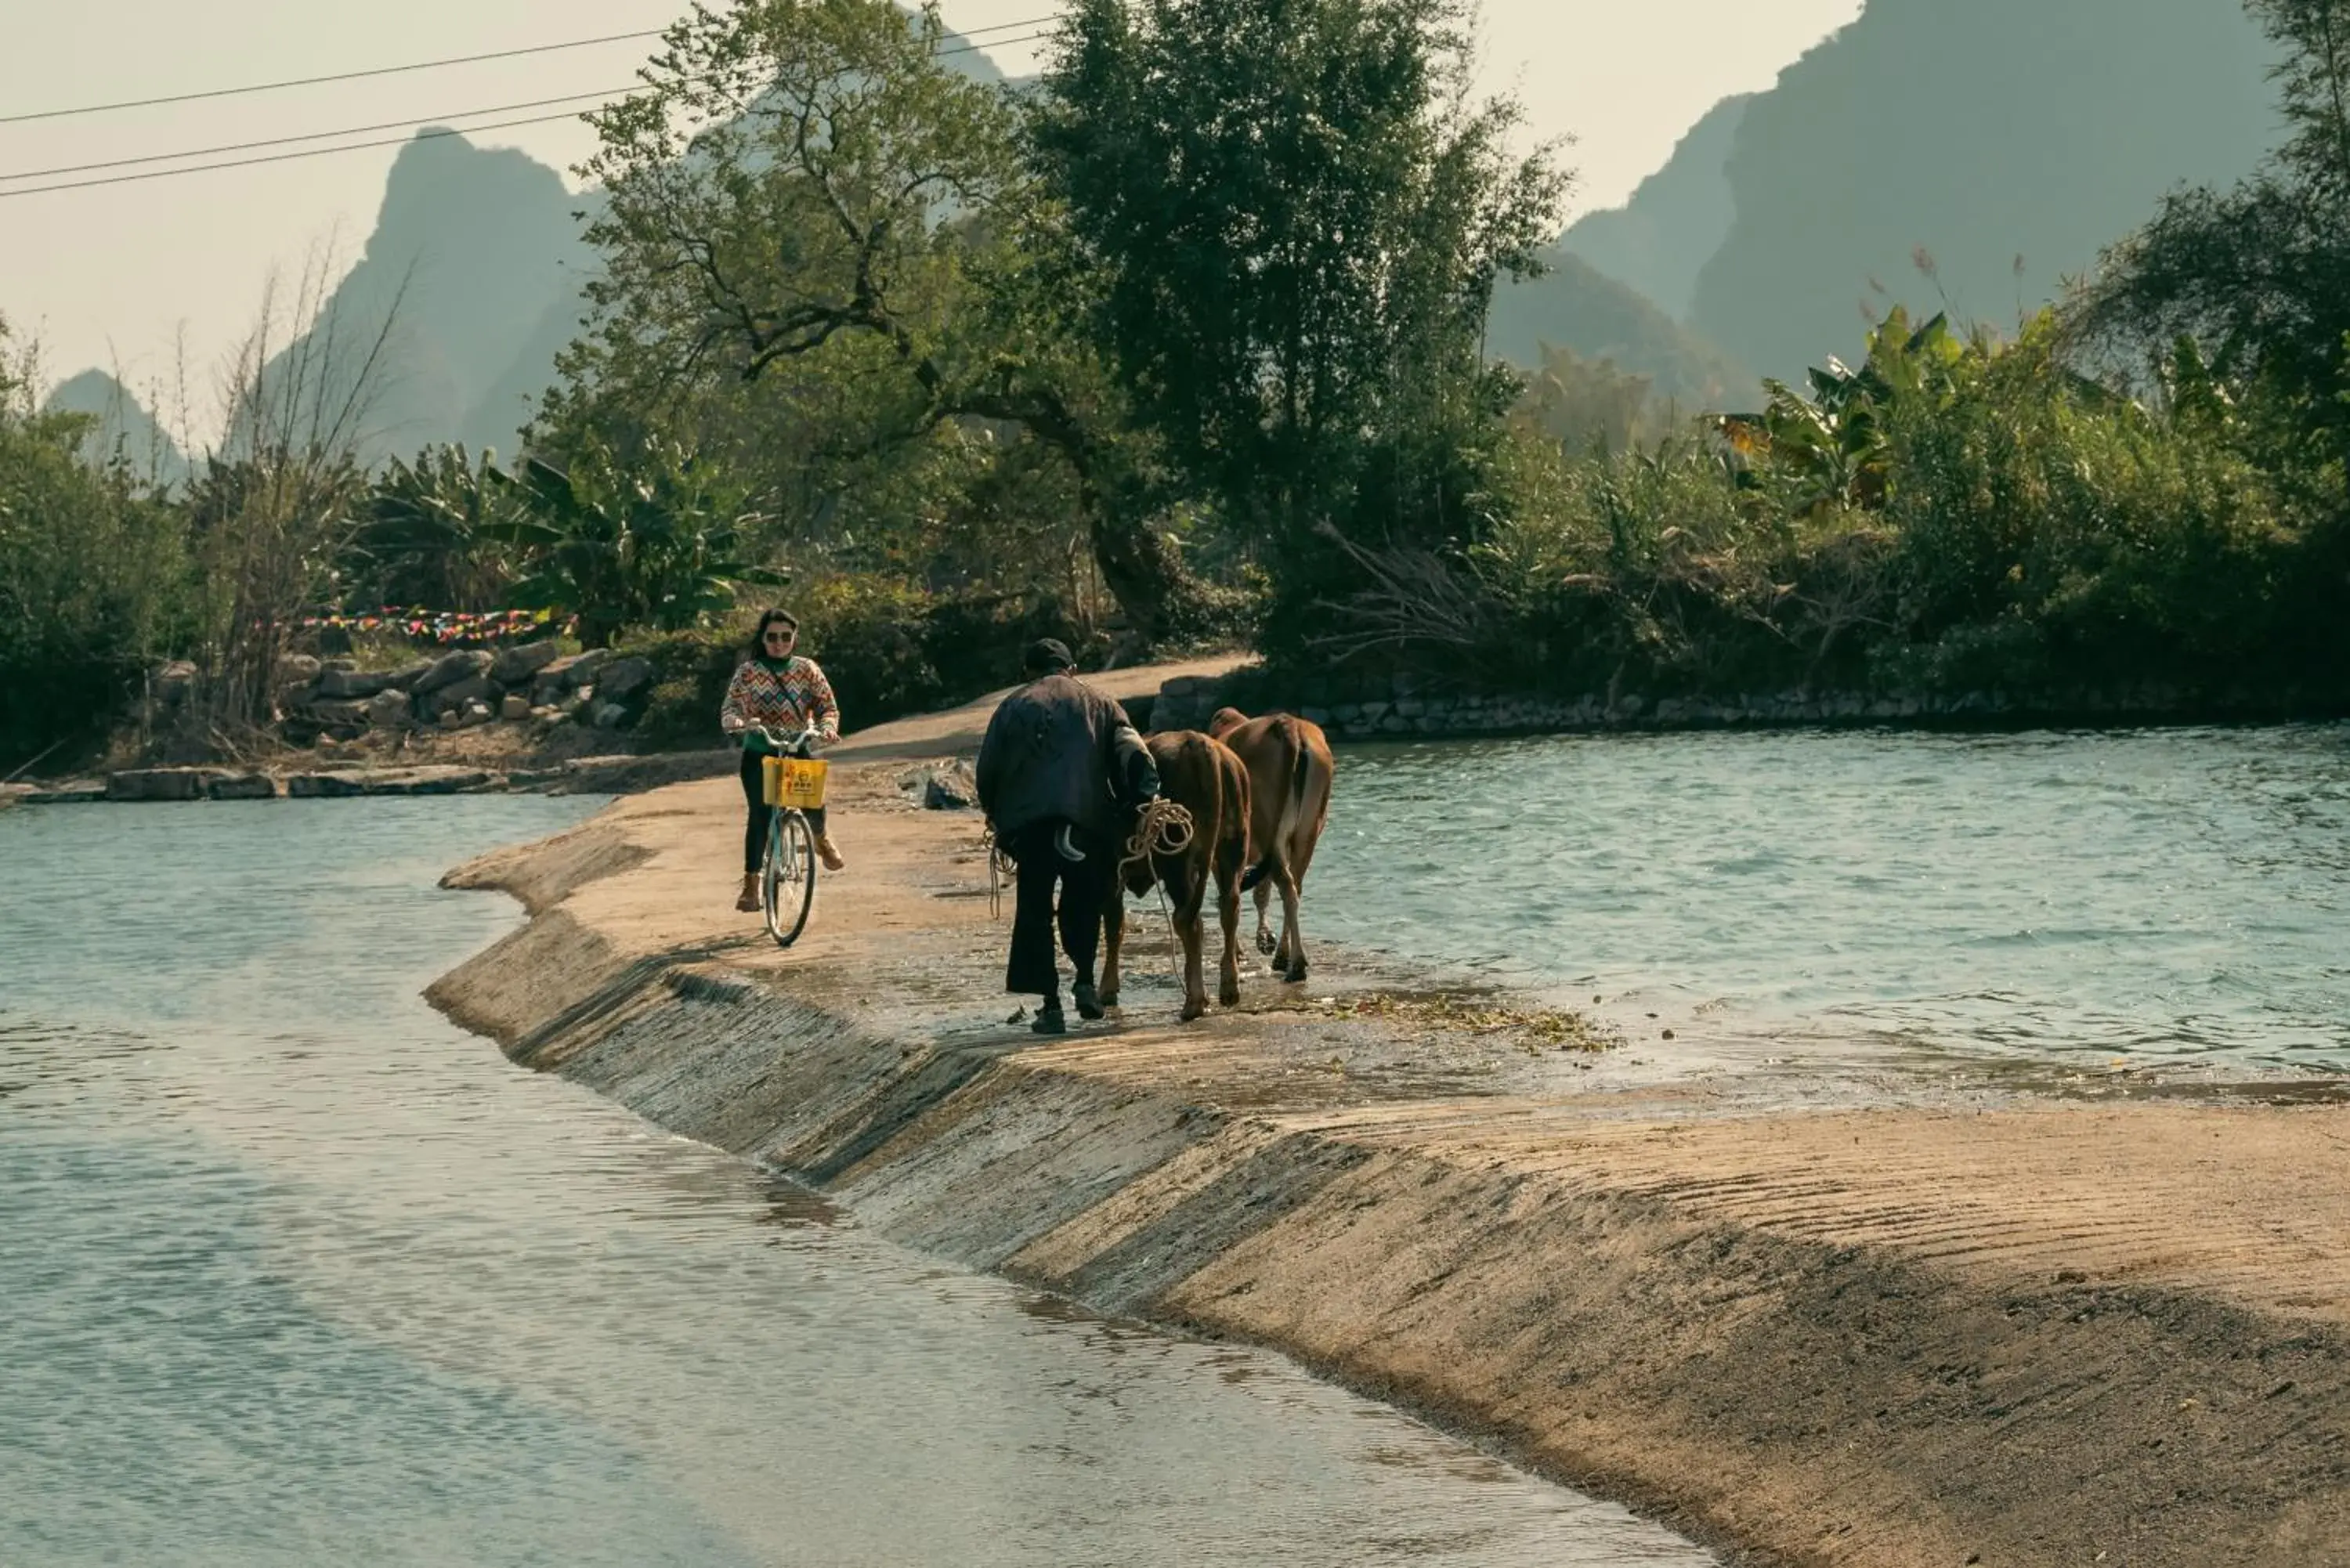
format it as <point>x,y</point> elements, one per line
<point>293,1271</point>
<point>2151,896</point>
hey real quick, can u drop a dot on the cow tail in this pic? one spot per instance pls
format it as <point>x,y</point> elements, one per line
<point>1290,808</point>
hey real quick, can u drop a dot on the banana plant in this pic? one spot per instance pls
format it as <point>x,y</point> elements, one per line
<point>1832,449</point>
<point>428,533</point>
<point>658,546</point>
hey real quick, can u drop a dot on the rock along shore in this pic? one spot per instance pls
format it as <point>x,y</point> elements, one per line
<point>1896,1319</point>
<point>619,774</point>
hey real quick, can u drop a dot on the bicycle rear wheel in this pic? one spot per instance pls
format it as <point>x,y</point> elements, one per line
<point>788,882</point>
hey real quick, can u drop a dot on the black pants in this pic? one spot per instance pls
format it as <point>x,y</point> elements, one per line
<point>754,831</point>
<point>1083,884</point>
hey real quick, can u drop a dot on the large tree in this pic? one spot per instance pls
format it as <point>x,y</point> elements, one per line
<point>1298,217</point>
<point>2258,276</point>
<point>805,193</point>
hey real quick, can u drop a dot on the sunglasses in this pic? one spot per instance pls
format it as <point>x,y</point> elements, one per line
<point>780,634</point>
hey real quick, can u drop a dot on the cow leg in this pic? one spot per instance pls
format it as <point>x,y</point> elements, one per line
<point>1298,857</point>
<point>1195,984</point>
<point>1113,942</point>
<point>1279,883</point>
<point>1263,930</point>
<point>1228,909</point>
<point>1187,928</point>
<point>1291,958</point>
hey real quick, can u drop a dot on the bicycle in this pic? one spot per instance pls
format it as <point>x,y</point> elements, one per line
<point>792,782</point>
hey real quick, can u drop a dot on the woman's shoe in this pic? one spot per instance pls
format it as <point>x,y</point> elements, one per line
<point>748,901</point>
<point>831,857</point>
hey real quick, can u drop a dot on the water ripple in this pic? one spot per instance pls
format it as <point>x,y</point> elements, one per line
<point>2176,893</point>
<point>293,1271</point>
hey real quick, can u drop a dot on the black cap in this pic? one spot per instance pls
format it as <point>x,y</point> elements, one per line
<point>1047,655</point>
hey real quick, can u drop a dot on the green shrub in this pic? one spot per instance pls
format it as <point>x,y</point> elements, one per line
<point>2132,545</point>
<point>690,673</point>
<point>93,578</point>
<point>1958,515</point>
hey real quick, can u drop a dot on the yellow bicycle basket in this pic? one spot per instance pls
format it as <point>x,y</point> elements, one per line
<point>794,782</point>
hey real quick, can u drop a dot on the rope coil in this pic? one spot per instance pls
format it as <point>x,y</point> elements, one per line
<point>999,870</point>
<point>1163,828</point>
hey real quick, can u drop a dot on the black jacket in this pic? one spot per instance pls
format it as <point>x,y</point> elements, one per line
<point>1059,750</point>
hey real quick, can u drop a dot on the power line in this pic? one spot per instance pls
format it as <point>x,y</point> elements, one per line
<point>357,146</point>
<point>1003,28</point>
<point>430,65</point>
<point>406,121</point>
<point>281,157</point>
<point>999,28</point>
<point>314,81</point>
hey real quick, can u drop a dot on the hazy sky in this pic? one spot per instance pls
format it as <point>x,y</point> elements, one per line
<point>114,274</point>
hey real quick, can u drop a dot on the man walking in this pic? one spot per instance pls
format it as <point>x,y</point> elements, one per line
<point>1060,772</point>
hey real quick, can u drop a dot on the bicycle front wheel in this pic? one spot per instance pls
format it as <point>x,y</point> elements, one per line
<point>787,884</point>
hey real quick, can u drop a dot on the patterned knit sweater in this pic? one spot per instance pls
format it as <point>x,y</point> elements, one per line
<point>784,701</point>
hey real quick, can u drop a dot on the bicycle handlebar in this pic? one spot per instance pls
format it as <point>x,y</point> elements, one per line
<point>800,745</point>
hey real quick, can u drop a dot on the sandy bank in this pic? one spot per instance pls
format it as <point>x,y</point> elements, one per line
<point>1856,1319</point>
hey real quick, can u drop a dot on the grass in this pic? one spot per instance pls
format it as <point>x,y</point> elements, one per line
<point>1532,1030</point>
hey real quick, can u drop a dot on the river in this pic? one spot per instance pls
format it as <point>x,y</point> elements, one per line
<point>292,1271</point>
<point>2154,896</point>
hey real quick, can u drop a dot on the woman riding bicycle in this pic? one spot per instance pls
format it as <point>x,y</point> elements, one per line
<point>776,691</point>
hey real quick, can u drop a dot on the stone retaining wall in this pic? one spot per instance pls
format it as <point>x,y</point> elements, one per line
<point>468,686</point>
<point>617,775</point>
<point>530,682</point>
<point>1401,707</point>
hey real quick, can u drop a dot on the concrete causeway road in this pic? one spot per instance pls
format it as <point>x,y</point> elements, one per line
<point>1804,1315</point>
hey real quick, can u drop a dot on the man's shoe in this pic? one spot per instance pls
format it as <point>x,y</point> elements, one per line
<point>828,854</point>
<point>1088,1004</point>
<point>1049,1019</point>
<point>747,901</point>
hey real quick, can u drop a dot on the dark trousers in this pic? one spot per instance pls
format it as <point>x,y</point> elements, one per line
<point>754,831</point>
<point>1082,886</point>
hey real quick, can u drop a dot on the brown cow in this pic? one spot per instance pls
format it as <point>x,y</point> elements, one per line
<point>1201,775</point>
<point>1290,768</point>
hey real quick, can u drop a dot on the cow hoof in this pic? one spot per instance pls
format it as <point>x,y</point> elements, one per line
<point>1265,943</point>
<point>1230,996</point>
<point>1193,1011</point>
<point>1107,999</point>
<point>1294,974</point>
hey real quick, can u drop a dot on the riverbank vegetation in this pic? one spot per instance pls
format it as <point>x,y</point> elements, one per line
<point>1958,513</point>
<point>2141,491</point>
<point>1184,345</point>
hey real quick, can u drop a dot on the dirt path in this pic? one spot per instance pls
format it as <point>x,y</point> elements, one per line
<point>1917,1323</point>
<point>957,729</point>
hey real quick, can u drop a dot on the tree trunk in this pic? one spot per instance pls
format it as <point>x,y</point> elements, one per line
<point>1138,565</point>
<point>1141,568</point>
